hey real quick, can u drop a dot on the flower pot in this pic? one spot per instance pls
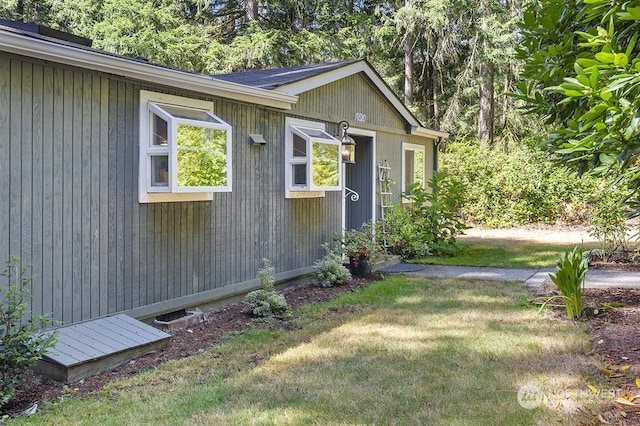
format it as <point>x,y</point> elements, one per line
<point>359,267</point>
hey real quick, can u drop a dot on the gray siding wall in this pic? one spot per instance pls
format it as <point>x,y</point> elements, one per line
<point>355,94</point>
<point>69,206</point>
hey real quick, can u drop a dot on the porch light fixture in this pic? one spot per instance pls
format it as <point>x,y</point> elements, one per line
<point>348,144</point>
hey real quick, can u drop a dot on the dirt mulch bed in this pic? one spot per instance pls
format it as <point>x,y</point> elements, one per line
<point>220,323</point>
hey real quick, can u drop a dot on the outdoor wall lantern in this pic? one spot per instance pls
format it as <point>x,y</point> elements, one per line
<point>348,144</point>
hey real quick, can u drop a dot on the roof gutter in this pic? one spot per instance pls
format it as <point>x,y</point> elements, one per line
<point>94,60</point>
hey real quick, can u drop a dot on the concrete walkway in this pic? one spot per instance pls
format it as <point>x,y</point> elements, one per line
<point>535,279</point>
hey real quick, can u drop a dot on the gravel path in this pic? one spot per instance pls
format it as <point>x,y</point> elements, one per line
<point>559,235</point>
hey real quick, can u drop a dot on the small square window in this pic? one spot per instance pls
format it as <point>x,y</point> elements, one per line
<point>184,149</point>
<point>313,158</point>
<point>413,165</point>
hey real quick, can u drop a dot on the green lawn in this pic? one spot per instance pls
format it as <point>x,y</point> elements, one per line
<point>503,254</point>
<point>403,350</point>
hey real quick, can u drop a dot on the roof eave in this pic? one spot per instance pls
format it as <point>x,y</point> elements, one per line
<point>98,61</point>
<point>429,133</point>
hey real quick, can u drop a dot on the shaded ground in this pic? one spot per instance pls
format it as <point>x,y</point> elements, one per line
<point>182,344</point>
<point>614,331</point>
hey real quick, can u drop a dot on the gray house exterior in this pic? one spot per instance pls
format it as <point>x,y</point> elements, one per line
<point>104,237</point>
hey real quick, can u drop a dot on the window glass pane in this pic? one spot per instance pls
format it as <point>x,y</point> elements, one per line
<point>299,146</point>
<point>202,156</point>
<point>325,164</point>
<point>160,170</point>
<point>190,114</point>
<point>409,166</point>
<point>299,175</point>
<point>159,136</point>
<point>418,171</point>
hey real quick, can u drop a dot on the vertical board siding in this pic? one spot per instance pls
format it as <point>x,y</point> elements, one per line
<point>69,153</point>
<point>5,158</point>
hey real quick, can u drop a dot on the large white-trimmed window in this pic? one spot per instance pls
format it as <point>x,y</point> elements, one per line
<point>414,163</point>
<point>312,160</point>
<point>185,150</point>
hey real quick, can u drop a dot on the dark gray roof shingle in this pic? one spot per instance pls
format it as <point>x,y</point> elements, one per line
<point>272,78</point>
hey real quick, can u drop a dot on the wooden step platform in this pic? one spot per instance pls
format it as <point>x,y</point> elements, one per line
<point>99,345</point>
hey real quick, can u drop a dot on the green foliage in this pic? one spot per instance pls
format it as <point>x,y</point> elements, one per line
<point>266,301</point>
<point>22,340</point>
<point>330,271</point>
<point>572,269</point>
<point>360,244</point>
<point>583,77</point>
<point>608,219</point>
<point>431,224</point>
<point>520,186</point>
<point>202,156</point>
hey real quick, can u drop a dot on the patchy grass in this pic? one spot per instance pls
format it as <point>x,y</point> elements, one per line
<point>401,351</point>
<point>504,254</point>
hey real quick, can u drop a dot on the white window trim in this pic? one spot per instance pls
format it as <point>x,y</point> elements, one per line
<point>149,194</point>
<point>413,147</point>
<point>291,191</point>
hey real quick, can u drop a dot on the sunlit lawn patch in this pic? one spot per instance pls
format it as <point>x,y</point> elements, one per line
<point>504,254</point>
<point>401,351</point>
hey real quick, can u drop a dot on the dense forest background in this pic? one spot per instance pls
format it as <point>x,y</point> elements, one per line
<point>451,61</point>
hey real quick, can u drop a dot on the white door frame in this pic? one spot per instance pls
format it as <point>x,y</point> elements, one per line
<point>371,134</point>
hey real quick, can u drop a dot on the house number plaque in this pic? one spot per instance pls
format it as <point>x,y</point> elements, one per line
<point>360,117</point>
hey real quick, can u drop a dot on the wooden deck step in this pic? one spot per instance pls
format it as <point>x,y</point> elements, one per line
<point>99,345</point>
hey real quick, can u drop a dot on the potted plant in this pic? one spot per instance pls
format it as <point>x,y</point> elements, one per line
<point>362,249</point>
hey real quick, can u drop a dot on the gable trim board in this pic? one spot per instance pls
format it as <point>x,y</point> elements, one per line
<point>48,49</point>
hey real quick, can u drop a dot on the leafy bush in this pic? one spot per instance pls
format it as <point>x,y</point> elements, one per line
<point>517,186</point>
<point>608,220</point>
<point>572,269</point>
<point>431,224</point>
<point>330,271</point>
<point>360,244</point>
<point>22,340</point>
<point>266,301</point>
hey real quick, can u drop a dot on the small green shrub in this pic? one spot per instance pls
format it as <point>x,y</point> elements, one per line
<point>431,224</point>
<point>330,271</point>
<point>608,220</point>
<point>22,340</point>
<point>266,301</point>
<point>572,269</point>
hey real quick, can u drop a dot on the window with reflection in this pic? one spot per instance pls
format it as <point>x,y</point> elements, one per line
<point>184,148</point>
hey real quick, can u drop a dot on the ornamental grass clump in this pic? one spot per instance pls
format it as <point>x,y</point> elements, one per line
<point>266,301</point>
<point>572,270</point>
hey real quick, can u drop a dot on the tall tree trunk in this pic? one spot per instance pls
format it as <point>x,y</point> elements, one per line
<point>486,113</point>
<point>506,100</point>
<point>408,68</point>
<point>251,10</point>
<point>487,75</point>
<point>408,62</point>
